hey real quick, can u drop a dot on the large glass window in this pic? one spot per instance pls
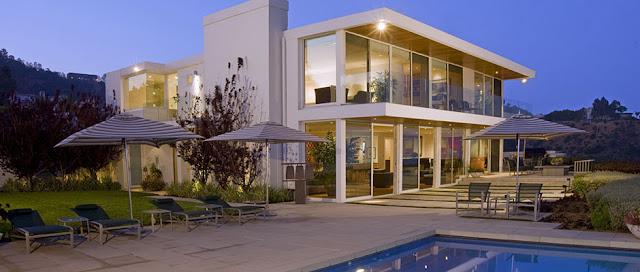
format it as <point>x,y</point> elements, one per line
<point>379,77</point>
<point>358,156</point>
<point>456,102</point>
<point>356,70</point>
<point>144,90</point>
<point>479,155</point>
<point>322,158</point>
<point>320,70</point>
<point>420,73</point>
<point>488,95</point>
<point>439,85</point>
<point>384,158</point>
<point>478,88</point>
<point>172,91</point>
<point>427,153</point>
<point>452,155</point>
<point>410,156</point>
<point>401,76</point>
<point>497,98</point>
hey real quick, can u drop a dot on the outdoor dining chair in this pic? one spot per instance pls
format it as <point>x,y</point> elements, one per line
<point>478,193</point>
<point>527,195</point>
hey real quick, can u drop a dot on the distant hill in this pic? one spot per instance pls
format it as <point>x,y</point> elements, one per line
<point>604,141</point>
<point>30,78</point>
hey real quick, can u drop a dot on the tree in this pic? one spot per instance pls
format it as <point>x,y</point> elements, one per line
<point>227,108</point>
<point>604,111</point>
<point>30,129</point>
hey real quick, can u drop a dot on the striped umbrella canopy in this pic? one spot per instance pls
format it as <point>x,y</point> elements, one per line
<point>268,133</point>
<point>523,127</point>
<point>126,129</point>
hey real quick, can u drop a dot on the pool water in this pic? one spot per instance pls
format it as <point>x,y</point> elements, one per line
<point>454,254</point>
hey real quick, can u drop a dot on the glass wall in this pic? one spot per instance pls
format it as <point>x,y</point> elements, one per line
<point>452,155</point>
<point>384,159</point>
<point>320,70</point>
<point>427,153</point>
<point>479,155</point>
<point>497,98</point>
<point>478,84</point>
<point>456,102</point>
<point>410,157</point>
<point>144,90</point>
<point>488,95</point>
<point>379,77</point>
<point>401,76</point>
<point>322,157</point>
<point>356,70</point>
<point>439,85</point>
<point>420,73</point>
<point>358,159</point>
<point>172,91</point>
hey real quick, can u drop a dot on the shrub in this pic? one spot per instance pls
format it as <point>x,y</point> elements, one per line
<point>630,167</point>
<point>632,218</point>
<point>153,178</point>
<point>586,183</point>
<point>611,203</point>
<point>56,184</point>
<point>233,193</point>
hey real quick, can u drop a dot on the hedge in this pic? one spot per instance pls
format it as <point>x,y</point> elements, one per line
<point>233,193</point>
<point>57,184</point>
<point>585,183</point>
<point>611,203</point>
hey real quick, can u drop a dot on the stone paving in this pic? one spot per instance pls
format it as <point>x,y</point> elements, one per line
<point>300,238</point>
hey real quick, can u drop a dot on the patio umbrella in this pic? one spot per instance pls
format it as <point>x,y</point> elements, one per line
<point>524,127</point>
<point>267,133</point>
<point>125,129</point>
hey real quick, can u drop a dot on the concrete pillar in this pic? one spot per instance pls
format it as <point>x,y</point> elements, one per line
<point>341,56</point>
<point>397,187</point>
<point>341,160</point>
<point>437,158</point>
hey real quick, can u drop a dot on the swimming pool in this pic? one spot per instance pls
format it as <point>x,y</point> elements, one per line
<point>455,254</point>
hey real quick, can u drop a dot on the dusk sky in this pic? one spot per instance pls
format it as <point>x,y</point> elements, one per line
<point>580,50</point>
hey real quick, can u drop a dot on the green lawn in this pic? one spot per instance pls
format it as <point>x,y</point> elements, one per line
<point>53,205</point>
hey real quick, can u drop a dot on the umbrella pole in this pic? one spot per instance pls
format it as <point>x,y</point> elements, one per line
<point>267,177</point>
<point>126,156</point>
<point>518,161</point>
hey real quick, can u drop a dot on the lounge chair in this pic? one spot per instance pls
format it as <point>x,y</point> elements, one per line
<point>478,194</point>
<point>179,214</point>
<point>100,220</point>
<point>527,195</point>
<point>28,224</point>
<point>239,211</point>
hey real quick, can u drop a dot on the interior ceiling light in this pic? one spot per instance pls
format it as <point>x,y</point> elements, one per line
<point>382,25</point>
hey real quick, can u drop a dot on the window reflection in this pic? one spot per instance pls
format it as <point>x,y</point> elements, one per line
<point>322,158</point>
<point>401,69</point>
<point>144,90</point>
<point>320,70</point>
<point>358,158</point>
<point>379,77</point>
<point>439,85</point>
<point>420,73</point>
<point>356,68</point>
<point>456,103</point>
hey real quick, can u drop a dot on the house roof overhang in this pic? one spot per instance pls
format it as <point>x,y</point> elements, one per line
<point>408,33</point>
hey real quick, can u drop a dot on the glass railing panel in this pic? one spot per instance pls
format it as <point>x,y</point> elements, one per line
<point>513,107</point>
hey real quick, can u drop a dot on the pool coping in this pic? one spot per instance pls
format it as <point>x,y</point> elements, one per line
<point>600,240</point>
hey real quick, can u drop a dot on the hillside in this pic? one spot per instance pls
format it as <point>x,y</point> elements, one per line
<point>614,140</point>
<point>30,78</point>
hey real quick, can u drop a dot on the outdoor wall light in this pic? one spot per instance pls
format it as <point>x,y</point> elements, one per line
<point>524,81</point>
<point>382,25</point>
<point>136,69</point>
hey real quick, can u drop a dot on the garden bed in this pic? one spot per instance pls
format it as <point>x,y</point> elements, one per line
<point>571,212</point>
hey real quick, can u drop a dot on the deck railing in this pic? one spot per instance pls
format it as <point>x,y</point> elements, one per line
<point>583,166</point>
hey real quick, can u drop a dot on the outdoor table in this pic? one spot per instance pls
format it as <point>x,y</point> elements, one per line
<point>554,170</point>
<point>495,203</point>
<point>82,220</point>
<point>158,212</point>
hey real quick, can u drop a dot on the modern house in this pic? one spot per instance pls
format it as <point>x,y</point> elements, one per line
<point>395,94</point>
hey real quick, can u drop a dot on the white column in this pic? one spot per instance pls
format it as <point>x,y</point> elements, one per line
<point>341,56</point>
<point>397,187</point>
<point>501,155</point>
<point>466,149</point>
<point>437,156</point>
<point>341,160</point>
